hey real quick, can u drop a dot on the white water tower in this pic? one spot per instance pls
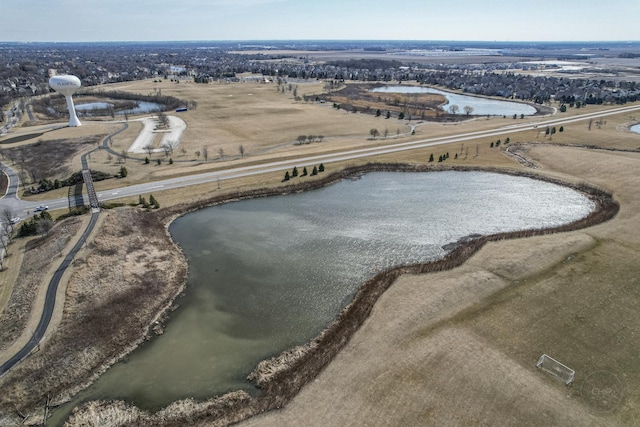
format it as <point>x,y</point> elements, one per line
<point>67,85</point>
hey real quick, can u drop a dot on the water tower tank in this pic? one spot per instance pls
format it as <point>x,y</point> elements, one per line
<point>67,85</point>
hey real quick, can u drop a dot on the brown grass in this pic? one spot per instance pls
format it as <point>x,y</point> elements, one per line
<point>40,254</point>
<point>116,293</point>
<point>425,324</point>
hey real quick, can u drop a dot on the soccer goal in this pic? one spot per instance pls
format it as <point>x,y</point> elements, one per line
<point>556,369</point>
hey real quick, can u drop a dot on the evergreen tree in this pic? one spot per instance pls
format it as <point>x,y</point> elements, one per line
<point>321,168</point>
<point>294,173</point>
<point>153,202</point>
<point>314,172</point>
<point>123,172</point>
<point>286,176</point>
<point>431,157</point>
<point>146,160</point>
<point>304,171</point>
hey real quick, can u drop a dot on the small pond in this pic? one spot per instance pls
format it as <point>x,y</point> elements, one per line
<point>142,107</point>
<point>93,106</point>
<point>481,106</point>
<point>635,128</point>
<point>270,273</point>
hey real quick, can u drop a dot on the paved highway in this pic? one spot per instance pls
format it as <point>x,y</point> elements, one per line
<point>243,171</point>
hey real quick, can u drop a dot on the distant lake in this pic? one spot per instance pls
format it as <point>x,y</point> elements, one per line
<point>270,273</point>
<point>481,106</point>
<point>93,106</point>
<point>143,107</point>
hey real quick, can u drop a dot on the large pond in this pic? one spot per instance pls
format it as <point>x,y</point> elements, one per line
<point>268,274</point>
<point>481,106</point>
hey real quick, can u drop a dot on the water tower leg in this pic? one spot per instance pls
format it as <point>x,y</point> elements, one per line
<point>73,118</point>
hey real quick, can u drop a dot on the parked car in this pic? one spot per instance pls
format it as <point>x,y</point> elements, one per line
<point>15,220</point>
<point>41,208</point>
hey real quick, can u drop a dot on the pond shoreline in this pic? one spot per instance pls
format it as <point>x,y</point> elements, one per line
<point>281,377</point>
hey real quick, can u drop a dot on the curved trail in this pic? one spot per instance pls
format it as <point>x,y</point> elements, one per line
<point>52,290</point>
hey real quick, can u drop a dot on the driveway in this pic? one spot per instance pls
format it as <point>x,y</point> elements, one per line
<point>148,135</point>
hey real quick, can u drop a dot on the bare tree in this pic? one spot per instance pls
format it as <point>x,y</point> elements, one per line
<point>221,152</point>
<point>6,218</point>
<point>163,120</point>
<point>468,110</point>
<point>123,156</point>
<point>454,109</point>
<point>6,215</point>
<point>44,226</point>
<point>168,150</point>
<point>374,132</point>
<point>205,153</point>
<point>149,149</point>
<point>197,153</point>
<point>241,150</point>
<point>33,171</point>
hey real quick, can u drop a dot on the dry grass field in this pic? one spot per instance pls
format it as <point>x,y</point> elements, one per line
<point>460,347</point>
<point>451,348</point>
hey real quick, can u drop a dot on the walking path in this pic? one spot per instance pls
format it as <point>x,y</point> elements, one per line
<point>52,289</point>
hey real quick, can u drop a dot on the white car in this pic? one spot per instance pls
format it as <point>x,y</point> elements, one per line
<point>15,220</point>
<point>41,208</point>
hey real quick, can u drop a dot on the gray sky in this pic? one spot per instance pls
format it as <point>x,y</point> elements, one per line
<point>147,20</point>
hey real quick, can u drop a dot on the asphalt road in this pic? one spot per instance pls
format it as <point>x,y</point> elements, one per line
<point>243,171</point>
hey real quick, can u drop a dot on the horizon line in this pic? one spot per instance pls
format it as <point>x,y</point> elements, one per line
<point>316,40</point>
